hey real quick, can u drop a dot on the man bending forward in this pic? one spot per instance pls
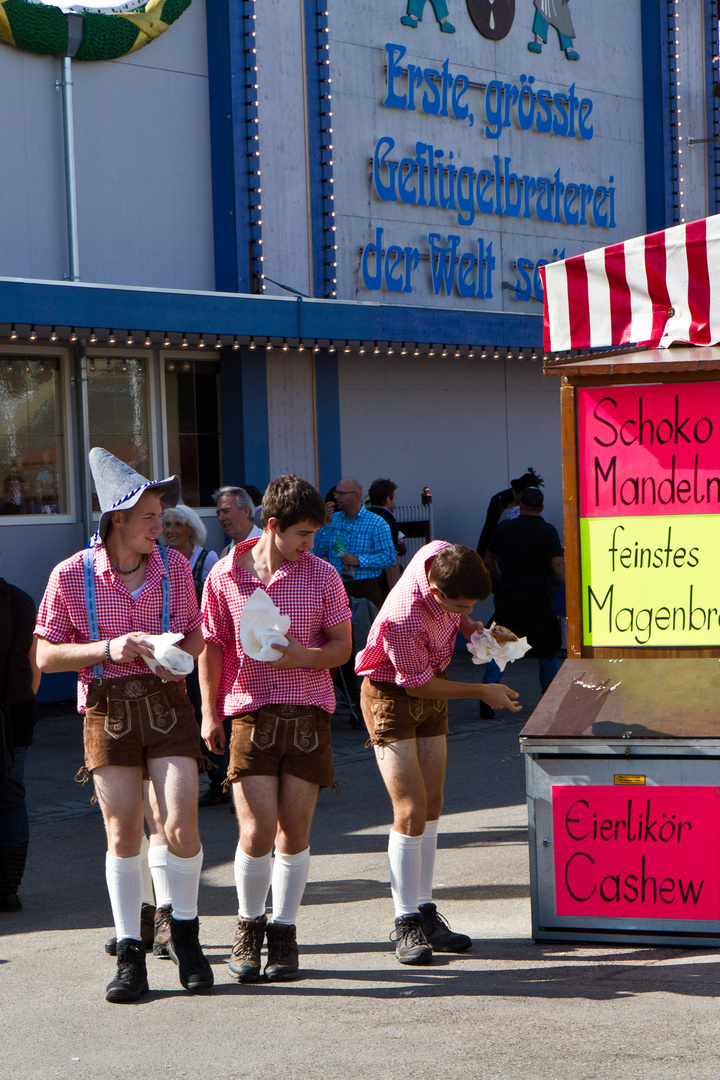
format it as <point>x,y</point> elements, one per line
<point>404,699</point>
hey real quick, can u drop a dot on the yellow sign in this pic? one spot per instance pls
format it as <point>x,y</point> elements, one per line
<point>630,779</point>
<point>651,581</point>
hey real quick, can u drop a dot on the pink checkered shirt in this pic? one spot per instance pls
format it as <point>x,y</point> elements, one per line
<point>412,638</point>
<point>310,592</point>
<point>62,618</point>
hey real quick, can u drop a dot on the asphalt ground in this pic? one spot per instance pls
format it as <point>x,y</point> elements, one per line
<point>509,1009</point>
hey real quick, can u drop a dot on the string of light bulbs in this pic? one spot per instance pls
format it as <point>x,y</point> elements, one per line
<point>252,149</point>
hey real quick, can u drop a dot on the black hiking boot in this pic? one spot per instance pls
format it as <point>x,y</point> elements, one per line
<point>282,962</point>
<point>130,980</point>
<point>184,948</point>
<point>439,934</point>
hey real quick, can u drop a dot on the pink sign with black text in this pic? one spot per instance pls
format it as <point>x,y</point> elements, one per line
<point>637,852</point>
<point>649,449</point>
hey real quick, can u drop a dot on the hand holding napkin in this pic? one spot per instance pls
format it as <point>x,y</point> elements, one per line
<point>167,654</point>
<point>262,627</point>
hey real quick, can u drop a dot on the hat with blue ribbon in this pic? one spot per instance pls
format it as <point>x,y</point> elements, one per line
<point>119,487</point>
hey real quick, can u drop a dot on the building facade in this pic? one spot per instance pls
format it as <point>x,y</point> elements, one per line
<point>239,239</point>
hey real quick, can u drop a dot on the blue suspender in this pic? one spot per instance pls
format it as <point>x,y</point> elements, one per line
<point>165,617</point>
<point>91,603</point>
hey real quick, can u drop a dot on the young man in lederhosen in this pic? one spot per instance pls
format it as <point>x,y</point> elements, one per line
<point>404,699</point>
<point>97,609</point>
<point>280,749</point>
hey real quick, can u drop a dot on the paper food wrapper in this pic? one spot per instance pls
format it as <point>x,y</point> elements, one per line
<point>483,648</point>
<point>262,627</point>
<point>167,654</point>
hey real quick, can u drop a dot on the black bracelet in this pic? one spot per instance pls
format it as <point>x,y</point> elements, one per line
<point>108,657</point>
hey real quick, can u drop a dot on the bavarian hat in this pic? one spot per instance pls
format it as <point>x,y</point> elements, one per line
<point>119,487</point>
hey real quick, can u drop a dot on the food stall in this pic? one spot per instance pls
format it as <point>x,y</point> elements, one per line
<point>623,752</point>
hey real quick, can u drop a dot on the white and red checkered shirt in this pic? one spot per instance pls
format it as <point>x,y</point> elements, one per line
<point>412,638</point>
<point>310,592</point>
<point>62,618</point>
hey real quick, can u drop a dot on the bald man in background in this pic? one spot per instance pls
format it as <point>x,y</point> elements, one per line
<point>356,542</point>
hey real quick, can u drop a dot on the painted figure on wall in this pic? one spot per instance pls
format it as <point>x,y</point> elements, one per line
<point>415,10</point>
<point>553,13</point>
<point>492,18</point>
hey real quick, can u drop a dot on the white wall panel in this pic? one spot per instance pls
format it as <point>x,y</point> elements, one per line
<point>142,159</point>
<point>291,413</point>
<point>462,428</point>
<point>282,130</point>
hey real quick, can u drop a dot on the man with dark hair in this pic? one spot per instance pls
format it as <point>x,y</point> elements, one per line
<point>383,500</point>
<point>525,560</point>
<point>235,512</point>
<point>98,608</point>
<point>280,749</point>
<point>381,491</point>
<point>404,699</point>
<point>357,543</point>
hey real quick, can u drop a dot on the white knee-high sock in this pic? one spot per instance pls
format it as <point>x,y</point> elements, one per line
<point>404,853</point>
<point>289,878</point>
<point>184,881</point>
<point>148,894</point>
<point>252,881</point>
<point>157,861</point>
<point>124,882</point>
<point>428,849</point>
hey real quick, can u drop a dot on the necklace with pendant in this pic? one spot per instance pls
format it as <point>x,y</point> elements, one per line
<point>128,572</point>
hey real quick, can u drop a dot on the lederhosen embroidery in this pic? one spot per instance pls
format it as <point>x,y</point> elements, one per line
<point>304,727</point>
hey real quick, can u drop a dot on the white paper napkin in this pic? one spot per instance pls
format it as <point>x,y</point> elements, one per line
<point>167,655</point>
<point>262,627</point>
<point>483,648</point>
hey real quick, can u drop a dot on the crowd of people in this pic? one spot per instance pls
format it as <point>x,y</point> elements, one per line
<point>262,724</point>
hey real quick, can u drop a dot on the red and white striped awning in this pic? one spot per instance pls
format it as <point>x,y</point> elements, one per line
<point>653,290</point>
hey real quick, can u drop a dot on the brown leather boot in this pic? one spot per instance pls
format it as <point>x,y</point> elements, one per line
<point>161,932</point>
<point>246,949</point>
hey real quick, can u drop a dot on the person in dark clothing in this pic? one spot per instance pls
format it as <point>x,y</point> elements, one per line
<point>525,560</point>
<point>383,499</point>
<point>504,501</point>
<point>19,680</point>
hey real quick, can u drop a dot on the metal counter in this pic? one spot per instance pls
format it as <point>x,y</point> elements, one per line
<point>623,788</point>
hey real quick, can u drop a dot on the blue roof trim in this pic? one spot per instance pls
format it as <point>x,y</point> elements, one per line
<point>82,305</point>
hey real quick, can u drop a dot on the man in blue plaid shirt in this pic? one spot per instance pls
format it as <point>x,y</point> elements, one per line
<point>356,542</point>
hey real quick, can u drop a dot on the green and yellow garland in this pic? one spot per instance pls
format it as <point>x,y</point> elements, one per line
<point>41,28</point>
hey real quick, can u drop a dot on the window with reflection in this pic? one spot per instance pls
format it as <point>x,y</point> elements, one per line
<point>118,402</point>
<point>192,397</point>
<point>33,462</point>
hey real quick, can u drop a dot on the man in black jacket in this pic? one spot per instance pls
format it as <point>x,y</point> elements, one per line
<point>525,560</point>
